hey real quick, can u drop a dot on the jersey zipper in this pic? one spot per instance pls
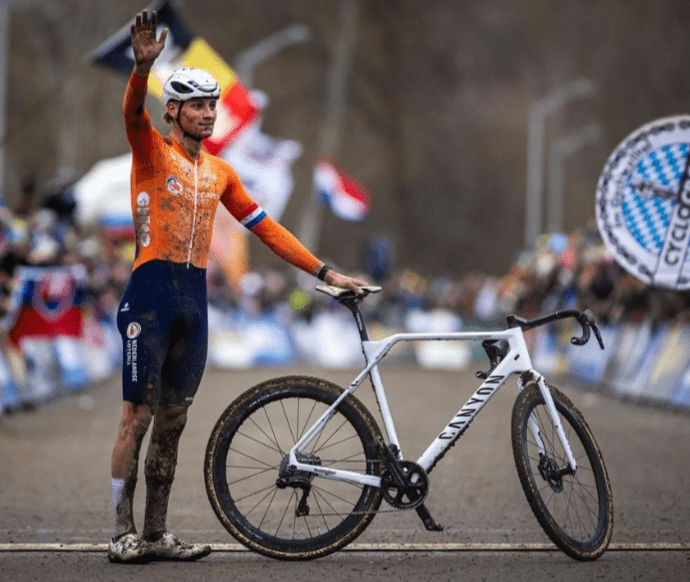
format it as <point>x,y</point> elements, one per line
<point>196,195</point>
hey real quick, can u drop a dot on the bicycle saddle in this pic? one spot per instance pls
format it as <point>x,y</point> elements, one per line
<point>339,292</point>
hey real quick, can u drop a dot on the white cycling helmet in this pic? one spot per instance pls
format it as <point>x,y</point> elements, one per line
<point>190,83</point>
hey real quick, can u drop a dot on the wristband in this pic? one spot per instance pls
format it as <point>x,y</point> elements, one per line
<point>322,273</point>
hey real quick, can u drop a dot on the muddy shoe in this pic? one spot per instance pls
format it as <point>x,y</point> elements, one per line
<point>130,549</point>
<point>170,547</point>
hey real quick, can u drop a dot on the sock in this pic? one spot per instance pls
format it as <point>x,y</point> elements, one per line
<point>118,486</point>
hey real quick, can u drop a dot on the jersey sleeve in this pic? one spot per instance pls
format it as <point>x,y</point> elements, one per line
<point>274,235</point>
<point>285,244</point>
<point>137,120</point>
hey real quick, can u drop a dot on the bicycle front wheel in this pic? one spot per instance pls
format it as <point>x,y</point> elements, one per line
<point>574,509</point>
<point>292,515</point>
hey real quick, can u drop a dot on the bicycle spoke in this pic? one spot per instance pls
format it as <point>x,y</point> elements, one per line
<point>272,439</point>
<point>342,441</point>
<point>324,492</point>
<point>253,457</point>
<point>268,490</point>
<point>282,518</point>
<point>322,514</point>
<point>322,440</point>
<point>252,475</point>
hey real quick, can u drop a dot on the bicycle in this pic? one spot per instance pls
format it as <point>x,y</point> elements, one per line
<point>297,467</point>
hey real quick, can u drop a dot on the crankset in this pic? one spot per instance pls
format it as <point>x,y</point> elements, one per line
<point>404,485</point>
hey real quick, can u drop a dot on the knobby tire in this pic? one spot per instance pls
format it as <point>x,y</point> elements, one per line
<point>575,511</point>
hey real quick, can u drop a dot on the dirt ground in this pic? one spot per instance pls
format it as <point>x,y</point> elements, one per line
<point>55,488</point>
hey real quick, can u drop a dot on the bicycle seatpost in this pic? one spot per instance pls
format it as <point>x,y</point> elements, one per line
<point>348,298</point>
<point>352,304</point>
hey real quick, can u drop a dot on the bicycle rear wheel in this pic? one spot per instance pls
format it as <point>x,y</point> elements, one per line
<point>284,515</point>
<point>575,510</point>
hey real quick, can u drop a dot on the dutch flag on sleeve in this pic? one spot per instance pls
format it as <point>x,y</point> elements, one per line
<point>343,195</point>
<point>254,215</point>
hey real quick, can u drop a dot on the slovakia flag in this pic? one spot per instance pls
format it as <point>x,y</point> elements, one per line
<point>345,197</point>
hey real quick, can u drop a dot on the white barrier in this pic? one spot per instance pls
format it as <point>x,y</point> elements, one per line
<point>644,361</point>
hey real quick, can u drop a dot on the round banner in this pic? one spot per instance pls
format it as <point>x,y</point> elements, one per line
<point>643,203</point>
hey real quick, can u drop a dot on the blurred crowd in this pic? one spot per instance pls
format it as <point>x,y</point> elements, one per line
<point>47,235</point>
<point>560,271</point>
<point>574,270</point>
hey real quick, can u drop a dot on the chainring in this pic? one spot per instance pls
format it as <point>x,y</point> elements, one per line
<point>414,490</point>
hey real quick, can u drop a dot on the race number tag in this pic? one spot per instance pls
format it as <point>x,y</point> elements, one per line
<point>643,203</point>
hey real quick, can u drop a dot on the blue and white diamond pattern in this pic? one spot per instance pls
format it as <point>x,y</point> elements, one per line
<point>648,217</point>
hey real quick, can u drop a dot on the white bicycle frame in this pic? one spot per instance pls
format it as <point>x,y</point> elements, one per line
<point>516,361</point>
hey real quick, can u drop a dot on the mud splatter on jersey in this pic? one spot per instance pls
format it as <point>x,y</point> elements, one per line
<point>174,197</point>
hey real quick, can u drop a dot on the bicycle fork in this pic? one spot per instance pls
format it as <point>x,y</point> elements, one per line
<point>553,472</point>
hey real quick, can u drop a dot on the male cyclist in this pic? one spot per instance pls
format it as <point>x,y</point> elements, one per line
<point>175,190</point>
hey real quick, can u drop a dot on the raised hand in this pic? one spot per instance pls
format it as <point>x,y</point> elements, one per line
<point>144,44</point>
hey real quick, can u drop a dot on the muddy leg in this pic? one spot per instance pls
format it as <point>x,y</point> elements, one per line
<point>161,460</point>
<point>134,423</point>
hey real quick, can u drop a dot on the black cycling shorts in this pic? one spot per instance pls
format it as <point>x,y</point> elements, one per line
<point>163,320</point>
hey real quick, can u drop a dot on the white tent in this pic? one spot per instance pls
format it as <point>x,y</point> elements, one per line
<point>102,194</point>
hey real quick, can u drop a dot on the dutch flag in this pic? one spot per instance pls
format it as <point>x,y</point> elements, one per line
<point>343,195</point>
<point>254,215</point>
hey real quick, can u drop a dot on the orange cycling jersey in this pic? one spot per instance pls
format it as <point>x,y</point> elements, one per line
<point>175,197</point>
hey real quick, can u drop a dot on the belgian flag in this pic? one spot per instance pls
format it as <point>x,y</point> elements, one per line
<point>236,107</point>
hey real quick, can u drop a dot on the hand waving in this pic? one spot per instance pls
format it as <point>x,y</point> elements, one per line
<point>146,47</point>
